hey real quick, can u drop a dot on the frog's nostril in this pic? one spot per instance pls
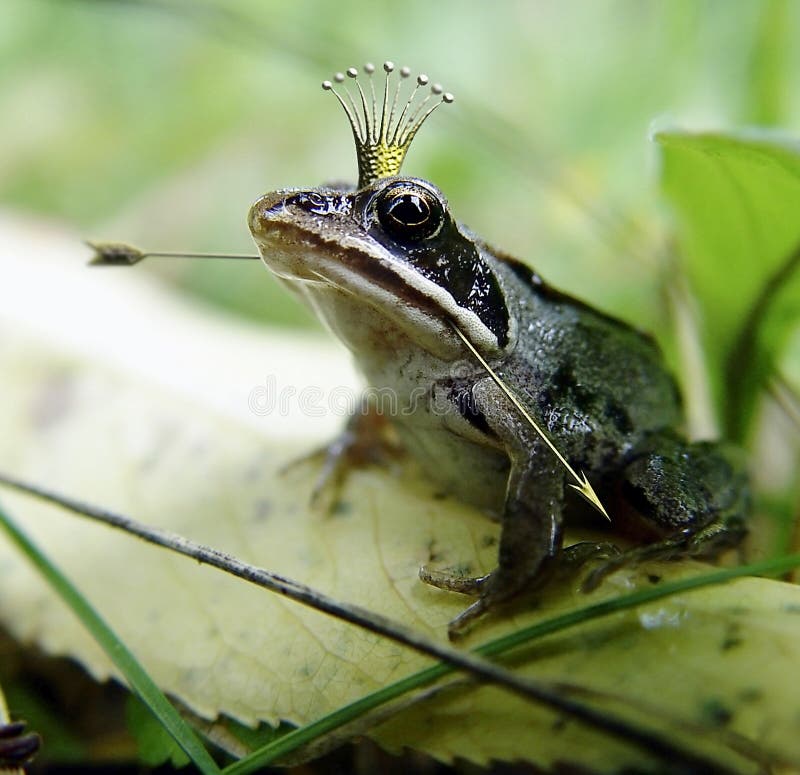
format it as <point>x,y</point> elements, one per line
<point>269,220</point>
<point>263,212</point>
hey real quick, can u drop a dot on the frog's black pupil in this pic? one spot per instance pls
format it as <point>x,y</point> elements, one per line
<point>409,216</point>
<point>409,209</point>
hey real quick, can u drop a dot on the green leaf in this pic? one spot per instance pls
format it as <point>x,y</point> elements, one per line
<point>737,199</point>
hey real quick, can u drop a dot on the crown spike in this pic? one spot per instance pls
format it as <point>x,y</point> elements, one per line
<point>404,73</point>
<point>418,119</point>
<point>352,72</point>
<point>382,130</point>
<point>351,116</point>
<point>380,137</point>
<point>352,109</point>
<point>369,69</point>
<point>422,79</point>
<point>420,108</point>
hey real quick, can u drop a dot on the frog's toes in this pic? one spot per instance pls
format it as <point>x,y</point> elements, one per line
<point>453,582</point>
<point>671,548</point>
<point>459,626</point>
<point>477,586</point>
<point>366,440</point>
<point>491,590</point>
<point>494,589</point>
<point>332,474</point>
<point>575,556</point>
<point>599,574</point>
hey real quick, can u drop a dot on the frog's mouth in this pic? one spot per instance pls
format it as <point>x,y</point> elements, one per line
<point>312,261</point>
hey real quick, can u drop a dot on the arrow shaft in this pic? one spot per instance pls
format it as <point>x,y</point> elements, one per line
<point>518,404</point>
<point>583,486</point>
<point>166,254</point>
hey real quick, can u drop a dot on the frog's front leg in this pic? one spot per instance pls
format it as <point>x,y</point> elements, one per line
<point>531,534</point>
<point>529,543</point>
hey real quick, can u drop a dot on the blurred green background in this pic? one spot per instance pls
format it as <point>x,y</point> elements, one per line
<point>158,122</point>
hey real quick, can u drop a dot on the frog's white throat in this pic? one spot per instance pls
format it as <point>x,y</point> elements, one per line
<point>367,297</point>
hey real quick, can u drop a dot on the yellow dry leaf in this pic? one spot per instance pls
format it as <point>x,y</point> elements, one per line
<point>721,659</point>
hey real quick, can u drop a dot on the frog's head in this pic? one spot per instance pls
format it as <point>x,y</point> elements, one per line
<point>388,257</point>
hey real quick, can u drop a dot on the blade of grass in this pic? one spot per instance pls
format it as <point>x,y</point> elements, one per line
<point>138,680</point>
<point>298,738</point>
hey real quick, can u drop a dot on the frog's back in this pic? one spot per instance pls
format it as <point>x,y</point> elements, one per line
<point>598,384</point>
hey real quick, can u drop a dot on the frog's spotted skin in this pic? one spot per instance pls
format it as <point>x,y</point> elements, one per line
<point>388,270</point>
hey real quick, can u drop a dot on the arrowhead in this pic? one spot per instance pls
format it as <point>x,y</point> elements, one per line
<point>587,492</point>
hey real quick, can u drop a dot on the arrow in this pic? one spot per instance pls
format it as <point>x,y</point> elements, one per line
<point>122,254</point>
<point>584,488</point>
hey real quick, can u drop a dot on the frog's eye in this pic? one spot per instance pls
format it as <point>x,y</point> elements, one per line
<point>409,213</point>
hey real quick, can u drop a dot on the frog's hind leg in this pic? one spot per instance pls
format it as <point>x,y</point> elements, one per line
<point>693,496</point>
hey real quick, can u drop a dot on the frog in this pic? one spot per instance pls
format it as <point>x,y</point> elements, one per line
<point>391,272</point>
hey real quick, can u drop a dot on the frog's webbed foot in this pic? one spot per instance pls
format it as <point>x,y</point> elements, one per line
<point>495,588</point>
<point>573,558</point>
<point>706,543</point>
<point>367,439</point>
<point>668,549</point>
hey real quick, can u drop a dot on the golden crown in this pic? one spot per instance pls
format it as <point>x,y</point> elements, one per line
<point>382,139</point>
